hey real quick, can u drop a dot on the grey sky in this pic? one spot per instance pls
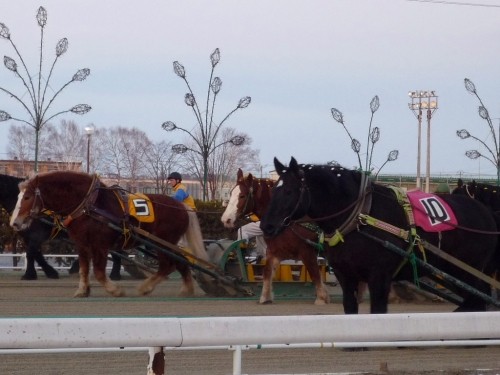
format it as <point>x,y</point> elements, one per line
<point>296,59</point>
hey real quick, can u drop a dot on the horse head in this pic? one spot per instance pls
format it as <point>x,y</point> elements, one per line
<point>288,201</point>
<point>28,205</point>
<point>62,193</point>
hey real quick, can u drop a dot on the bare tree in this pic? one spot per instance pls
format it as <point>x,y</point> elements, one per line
<point>123,152</point>
<point>223,162</point>
<point>65,143</point>
<point>159,160</point>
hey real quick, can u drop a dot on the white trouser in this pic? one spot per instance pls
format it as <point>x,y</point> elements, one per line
<point>253,230</point>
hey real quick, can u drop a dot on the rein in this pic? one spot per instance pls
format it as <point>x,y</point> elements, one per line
<point>80,209</point>
<point>87,201</point>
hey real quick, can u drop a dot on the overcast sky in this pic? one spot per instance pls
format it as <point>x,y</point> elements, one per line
<point>295,59</point>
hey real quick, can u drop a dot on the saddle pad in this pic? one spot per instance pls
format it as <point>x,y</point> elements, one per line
<point>431,213</point>
<point>140,207</point>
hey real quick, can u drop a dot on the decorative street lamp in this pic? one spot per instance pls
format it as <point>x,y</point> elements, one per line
<point>89,130</point>
<point>38,105</point>
<point>206,137</point>
<point>421,100</point>
<point>494,153</point>
<point>373,138</point>
<point>205,154</point>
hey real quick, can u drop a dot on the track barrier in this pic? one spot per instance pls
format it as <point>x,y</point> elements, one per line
<point>246,332</point>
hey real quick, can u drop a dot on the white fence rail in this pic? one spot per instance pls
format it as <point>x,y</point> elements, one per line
<point>155,334</point>
<point>21,261</point>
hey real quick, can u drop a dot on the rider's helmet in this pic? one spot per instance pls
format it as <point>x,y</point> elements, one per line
<point>174,176</point>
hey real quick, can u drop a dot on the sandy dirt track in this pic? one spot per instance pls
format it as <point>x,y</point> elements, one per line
<point>54,298</point>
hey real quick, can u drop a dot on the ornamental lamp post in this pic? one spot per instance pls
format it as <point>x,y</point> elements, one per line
<point>206,135</point>
<point>494,152</point>
<point>89,130</point>
<point>205,154</point>
<point>421,100</point>
<point>38,104</point>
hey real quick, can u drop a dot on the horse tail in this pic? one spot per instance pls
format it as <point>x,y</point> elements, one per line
<point>194,236</point>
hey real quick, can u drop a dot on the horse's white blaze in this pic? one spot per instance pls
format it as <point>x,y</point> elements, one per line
<point>229,216</point>
<point>15,213</point>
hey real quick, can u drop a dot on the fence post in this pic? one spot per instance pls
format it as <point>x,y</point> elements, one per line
<point>156,364</point>
<point>236,359</point>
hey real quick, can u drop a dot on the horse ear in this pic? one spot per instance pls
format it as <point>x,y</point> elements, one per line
<point>250,178</point>
<point>460,182</point>
<point>278,166</point>
<point>239,175</point>
<point>294,166</point>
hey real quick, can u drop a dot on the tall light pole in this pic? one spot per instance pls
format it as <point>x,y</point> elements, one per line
<point>38,105</point>
<point>89,130</point>
<point>421,100</point>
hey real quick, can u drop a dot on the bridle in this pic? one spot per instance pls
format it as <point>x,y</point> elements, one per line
<point>287,220</point>
<point>249,204</point>
<point>360,205</point>
<point>78,211</point>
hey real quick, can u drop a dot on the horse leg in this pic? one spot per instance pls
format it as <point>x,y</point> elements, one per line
<point>379,288</point>
<point>84,285</point>
<point>267,296</point>
<point>310,261</point>
<point>165,267</point>
<point>349,293</point>
<point>50,272</point>
<point>30,273</point>
<point>99,261</point>
<point>115,270</point>
<point>187,289</point>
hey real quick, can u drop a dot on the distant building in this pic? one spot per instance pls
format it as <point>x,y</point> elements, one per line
<point>24,168</point>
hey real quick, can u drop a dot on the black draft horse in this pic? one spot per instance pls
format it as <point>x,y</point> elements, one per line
<point>489,195</point>
<point>38,233</point>
<point>334,197</point>
<point>33,238</point>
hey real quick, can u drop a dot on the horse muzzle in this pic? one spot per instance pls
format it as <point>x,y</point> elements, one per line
<point>19,224</point>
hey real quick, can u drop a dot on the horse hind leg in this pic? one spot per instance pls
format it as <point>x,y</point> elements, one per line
<point>267,295</point>
<point>165,267</point>
<point>187,289</point>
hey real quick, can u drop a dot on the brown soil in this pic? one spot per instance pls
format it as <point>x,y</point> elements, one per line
<point>54,298</point>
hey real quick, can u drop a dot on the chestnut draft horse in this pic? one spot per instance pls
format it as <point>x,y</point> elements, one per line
<point>251,196</point>
<point>89,206</point>
<point>38,233</point>
<point>348,202</point>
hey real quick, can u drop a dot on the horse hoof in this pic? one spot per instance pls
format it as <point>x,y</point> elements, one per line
<point>144,292</point>
<point>52,275</point>
<point>320,302</point>
<point>266,302</point>
<point>29,277</point>
<point>118,293</point>
<point>82,293</point>
<point>115,277</point>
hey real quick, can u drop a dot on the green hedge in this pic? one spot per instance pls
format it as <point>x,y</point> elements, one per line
<point>209,215</point>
